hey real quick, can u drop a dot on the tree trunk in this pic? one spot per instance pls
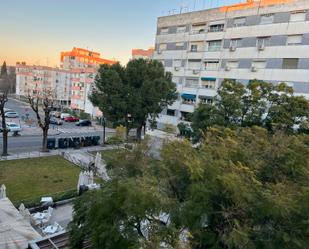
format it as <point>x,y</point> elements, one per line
<point>5,142</point>
<point>44,143</point>
<point>5,135</point>
<point>139,133</point>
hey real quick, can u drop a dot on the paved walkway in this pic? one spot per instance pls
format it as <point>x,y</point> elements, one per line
<point>36,154</point>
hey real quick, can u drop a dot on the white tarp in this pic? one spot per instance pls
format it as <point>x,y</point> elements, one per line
<point>15,231</point>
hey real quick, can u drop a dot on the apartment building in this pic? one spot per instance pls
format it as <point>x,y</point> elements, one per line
<point>32,79</point>
<point>83,65</point>
<point>142,53</point>
<point>71,83</point>
<point>266,40</point>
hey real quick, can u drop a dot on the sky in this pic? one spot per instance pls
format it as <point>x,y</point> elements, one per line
<point>36,31</point>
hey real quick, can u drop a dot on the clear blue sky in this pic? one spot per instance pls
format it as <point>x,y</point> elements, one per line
<point>36,31</point>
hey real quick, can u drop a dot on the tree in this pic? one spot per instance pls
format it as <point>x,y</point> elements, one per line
<point>8,78</point>
<point>258,104</point>
<point>4,72</point>
<point>128,212</point>
<point>132,94</point>
<point>42,101</point>
<point>243,188</point>
<point>5,131</point>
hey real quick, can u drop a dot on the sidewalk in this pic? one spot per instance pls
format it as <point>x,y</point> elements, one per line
<point>59,152</point>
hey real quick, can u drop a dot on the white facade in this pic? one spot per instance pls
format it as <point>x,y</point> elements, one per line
<point>201,49</point>
<point>31,79</point>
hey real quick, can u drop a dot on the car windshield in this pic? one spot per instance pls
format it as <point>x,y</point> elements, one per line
<point>13,125</point>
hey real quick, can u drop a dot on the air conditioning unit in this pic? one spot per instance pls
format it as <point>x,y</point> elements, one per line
<point>254,69</point>
<point>261,47</point>
<point>196,71</point>
<point>176,68</point>
<point>227,68</point>
<point>232,48</point>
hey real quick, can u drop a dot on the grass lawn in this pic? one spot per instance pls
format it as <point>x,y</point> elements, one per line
<point>29,179</point>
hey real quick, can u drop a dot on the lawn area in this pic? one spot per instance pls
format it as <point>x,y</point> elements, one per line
<point>107,155</point>
<point>29,179</point>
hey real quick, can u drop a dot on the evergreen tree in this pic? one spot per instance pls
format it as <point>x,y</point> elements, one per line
<point>4,72</point>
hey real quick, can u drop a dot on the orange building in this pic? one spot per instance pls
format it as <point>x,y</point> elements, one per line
<point>72,82</point>
<point>142,53</point>
<point>81,58</point>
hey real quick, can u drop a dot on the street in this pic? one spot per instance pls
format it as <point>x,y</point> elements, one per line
<point>30,142</point>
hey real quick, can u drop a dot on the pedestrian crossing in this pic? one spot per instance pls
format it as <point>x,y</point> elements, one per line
<point>77,130</point>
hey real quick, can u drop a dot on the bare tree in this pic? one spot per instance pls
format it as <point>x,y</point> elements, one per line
<point>5,131</point>
<point>45,102</point>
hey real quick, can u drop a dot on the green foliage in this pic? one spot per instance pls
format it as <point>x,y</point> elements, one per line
<point>184,130</point>
<point>257,104</point>
<point>114,140</point>
<point>170,128</point>
<point>4,71</point>
<point>129,95</point>
<point>121,132</point>
<point>243,188</point>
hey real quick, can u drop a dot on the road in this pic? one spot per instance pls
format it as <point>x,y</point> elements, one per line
<point>29,143</point>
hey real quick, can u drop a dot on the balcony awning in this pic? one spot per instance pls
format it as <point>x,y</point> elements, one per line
<point>188,96</point>
<point>208,78</point>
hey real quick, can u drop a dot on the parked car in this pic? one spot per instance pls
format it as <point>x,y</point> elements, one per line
<point>84,123</point>
<point>71,119</point>
<point>13,127</point>
<point>11,115</point>
<point>65,115</point>
<point>8,110</point>
<point>55,114</point>
<point>55,121</point>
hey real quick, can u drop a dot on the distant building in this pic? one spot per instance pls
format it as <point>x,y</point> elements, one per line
<point>33,79</point>
<point>266,40</point>
<point>71,83</point>
<point>142,53</point>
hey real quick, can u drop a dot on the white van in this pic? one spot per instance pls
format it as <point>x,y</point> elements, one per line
<point>65,115</point>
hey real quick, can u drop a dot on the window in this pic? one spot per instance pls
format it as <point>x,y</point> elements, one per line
<point>194,64</point>
<point>263,41</point>
<point>163,46</point>
<point>164,31</point>
<point>192,82</point>
<point>205,100</point>
<point>193,48</point>
<point>188,99</point>
<point>259,64</point>
<point>232,64</point>
<point>267,19</point>
<point>198,28</point>
<point>235,43</point>
<point>208,83</point>
<point>238,22</point>
<point>290,63</point>
<point>294,39</point>
<point>214,45</point>
<point>298,17</point>
<point>197,46</point>
<point>211,65</point>
<point>170,112</point>
<point>177,63</point>
<point>216,28</point>
<point>180,45</point>
<point>181,29</point>
<point>185,116</point>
